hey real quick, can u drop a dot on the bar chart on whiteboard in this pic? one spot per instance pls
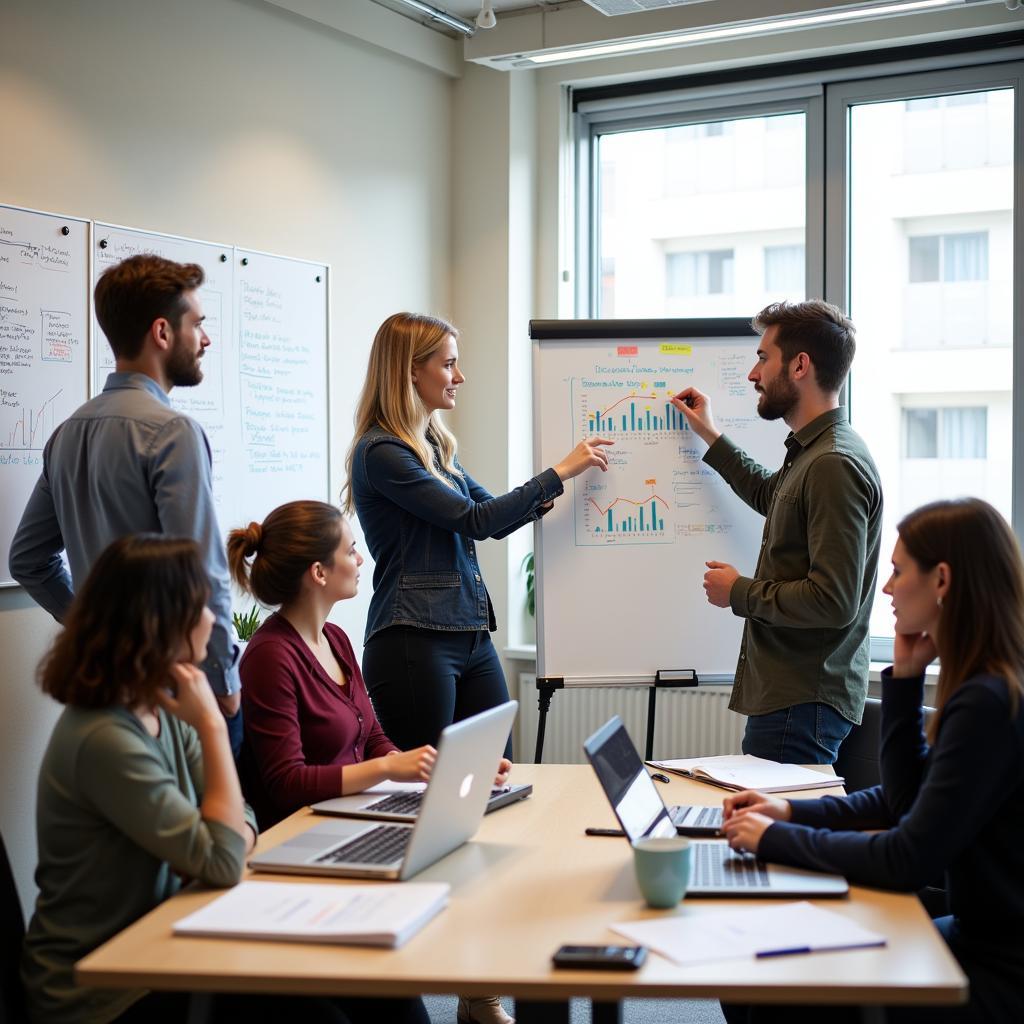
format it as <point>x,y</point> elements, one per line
<point>622,554</point>
<point>657,488</point>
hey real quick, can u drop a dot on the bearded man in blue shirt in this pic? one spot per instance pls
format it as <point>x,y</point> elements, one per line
<point>128,462</point>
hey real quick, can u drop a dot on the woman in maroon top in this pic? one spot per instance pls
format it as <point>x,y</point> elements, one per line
<point>310,730</point>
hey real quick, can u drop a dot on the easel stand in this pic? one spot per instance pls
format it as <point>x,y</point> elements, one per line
<point>546,686</point>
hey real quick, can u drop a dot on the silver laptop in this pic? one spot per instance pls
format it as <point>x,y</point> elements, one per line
<point>716,870</point>
<point>398,802</point>
<point>453,804</point>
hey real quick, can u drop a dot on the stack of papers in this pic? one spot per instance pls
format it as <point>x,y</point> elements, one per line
<point>784,930</point>
<point>744,771</point>
<point>358,915</point>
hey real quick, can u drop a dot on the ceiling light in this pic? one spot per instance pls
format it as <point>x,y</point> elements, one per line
<point>742,30</point>
<point>486,18</point>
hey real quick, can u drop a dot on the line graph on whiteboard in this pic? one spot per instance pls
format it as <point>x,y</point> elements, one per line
<point>27,427</point>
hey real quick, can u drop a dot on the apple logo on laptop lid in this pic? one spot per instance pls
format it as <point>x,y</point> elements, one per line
<point>467,785</point>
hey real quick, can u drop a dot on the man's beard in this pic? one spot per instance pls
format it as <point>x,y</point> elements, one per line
<point>778,399</point>
<point>183,369</point>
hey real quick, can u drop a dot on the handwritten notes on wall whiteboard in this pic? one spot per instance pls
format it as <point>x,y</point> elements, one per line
<point>263,398</point>
<point>44,315</point>
<point>263,401</point>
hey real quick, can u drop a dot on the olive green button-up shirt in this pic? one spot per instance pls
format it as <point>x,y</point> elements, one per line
<point>808,605</point>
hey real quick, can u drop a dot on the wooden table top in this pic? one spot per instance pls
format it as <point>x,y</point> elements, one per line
<point>529,881</point>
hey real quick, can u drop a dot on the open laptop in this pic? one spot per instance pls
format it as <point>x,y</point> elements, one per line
<point>453,805</point>
<point>401,801</point>
<point>716,870</point>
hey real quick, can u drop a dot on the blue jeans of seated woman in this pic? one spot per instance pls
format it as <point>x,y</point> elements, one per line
<point>421,680</point>
<point>803,734</point>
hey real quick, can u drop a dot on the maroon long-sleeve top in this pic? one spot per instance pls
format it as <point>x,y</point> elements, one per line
<point>301,727</point>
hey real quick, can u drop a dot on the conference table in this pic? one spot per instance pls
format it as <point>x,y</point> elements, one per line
<point>529,881</point>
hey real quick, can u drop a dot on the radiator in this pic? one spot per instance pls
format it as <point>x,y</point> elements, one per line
<point>689,722</point>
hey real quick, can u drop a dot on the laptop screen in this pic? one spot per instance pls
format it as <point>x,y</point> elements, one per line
<point>630,790</point>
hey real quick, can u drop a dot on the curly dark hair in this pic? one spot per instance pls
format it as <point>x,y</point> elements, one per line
<point>128,623</point>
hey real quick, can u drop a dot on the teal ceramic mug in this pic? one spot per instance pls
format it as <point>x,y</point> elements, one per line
<point>662,869</point>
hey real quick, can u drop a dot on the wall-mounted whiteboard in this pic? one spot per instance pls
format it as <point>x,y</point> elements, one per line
<point>620,558</point>
<point>281,313</point>
<point>263,400</point>
<point>44,322</point>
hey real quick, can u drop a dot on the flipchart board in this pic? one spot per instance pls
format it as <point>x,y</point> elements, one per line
<point>620,558</point>
<point>44,325</point>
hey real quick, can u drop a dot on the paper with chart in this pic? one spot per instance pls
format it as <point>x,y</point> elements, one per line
<point>623,552</point>
<point>44,262</point>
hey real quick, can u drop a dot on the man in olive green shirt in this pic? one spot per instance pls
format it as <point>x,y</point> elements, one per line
<point>802,674</point>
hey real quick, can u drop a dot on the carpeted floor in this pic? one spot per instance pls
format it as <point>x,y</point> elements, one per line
<point>637,1011</point>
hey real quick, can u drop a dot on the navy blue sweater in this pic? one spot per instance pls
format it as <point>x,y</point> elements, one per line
<point>955,808</point>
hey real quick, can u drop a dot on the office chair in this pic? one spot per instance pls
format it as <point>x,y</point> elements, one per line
<point>12,931</point>
<point>857,763</point>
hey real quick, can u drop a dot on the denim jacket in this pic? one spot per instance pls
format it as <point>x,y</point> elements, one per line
<point>421,534</point>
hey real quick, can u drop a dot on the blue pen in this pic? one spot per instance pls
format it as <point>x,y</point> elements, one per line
<point>783,952</point>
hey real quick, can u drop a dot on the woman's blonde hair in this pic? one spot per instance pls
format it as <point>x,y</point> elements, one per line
<point>981,624</point>
<point>389,398</point>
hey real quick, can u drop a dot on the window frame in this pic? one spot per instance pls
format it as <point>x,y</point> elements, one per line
<point>825,96</point>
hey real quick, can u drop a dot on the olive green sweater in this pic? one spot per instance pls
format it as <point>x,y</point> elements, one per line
<point>118,822</point>
<point>808,605</point>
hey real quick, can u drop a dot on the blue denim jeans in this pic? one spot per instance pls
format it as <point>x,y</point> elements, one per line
<point>802,734</point>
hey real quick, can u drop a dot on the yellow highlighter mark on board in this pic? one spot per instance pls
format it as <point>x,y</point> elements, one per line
<point>675,349</point>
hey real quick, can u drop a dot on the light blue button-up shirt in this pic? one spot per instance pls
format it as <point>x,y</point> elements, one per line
<point>125,462</point>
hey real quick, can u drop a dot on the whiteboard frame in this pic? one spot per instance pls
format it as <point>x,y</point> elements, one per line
<point>593,330</point>
<point>5,582</point>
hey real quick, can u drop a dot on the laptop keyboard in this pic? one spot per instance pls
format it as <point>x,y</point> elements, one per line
<point>381,845</point>
<point>397,803</point>
<point>717,865</point>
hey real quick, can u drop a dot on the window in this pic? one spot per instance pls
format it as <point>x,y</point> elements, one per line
<point>892,197</point>
<point>961,257</point>
<point>915,319</point>
<point>695,207</point>
<point>784,269</point>
<point>699,273</point>
<point>945,433</point>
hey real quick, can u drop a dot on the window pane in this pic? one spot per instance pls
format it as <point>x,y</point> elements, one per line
<point>924,259</point>
<point>688,214</point>
<point>920,433</point>
<point>965,257</point>
<point>963,433</point>
<point>931,387</point>
<point>784,269</point>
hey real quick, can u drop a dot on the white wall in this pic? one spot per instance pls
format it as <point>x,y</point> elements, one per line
<point>235,121</point>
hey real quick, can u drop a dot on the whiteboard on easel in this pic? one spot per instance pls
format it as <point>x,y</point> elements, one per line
<point>620,559</point>
<point>44,324</point>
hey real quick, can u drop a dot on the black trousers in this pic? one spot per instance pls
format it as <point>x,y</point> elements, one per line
<point>421,680</point>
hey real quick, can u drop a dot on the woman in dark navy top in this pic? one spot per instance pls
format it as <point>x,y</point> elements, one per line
<point>310,730</point>
<point>428,656</point>
<point>951,801</point>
